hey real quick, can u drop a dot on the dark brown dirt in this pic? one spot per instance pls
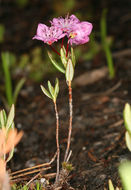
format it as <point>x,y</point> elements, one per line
<point>98,144</point>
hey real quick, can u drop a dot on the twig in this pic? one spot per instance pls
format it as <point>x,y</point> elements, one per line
<point>47,176</point>
<point>116,124</point>
<point>34,167</point>
<point>32,179</point>
<point>107,92</point>
<point>30,172</point>
<point>69,156</point>
<point>52,160</point>
<point>122,53</point>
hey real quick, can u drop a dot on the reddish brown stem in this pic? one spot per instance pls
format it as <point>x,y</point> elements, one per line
<point>57,142</point>
<point>62,42</point>
<point>70,122</point>
<point>55,50</point>
<point>67,47</point>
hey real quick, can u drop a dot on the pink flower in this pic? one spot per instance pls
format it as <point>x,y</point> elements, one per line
<point>80,33</point>
<point>47,34</point>
<point>65,24</point>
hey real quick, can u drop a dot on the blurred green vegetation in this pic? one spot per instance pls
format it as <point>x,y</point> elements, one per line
<point>34,186</point>
<point>34,63</point>
<point>105,44</point>
<point>11,95</point>
<point>21,3</point>
<point>2,31</point>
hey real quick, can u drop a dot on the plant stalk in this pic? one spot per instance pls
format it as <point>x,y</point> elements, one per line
<point>57,142</point>
<point>67,49</point>
<point>54,50</point>
<point>70,122</point>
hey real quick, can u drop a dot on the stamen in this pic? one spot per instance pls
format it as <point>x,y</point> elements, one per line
<point>72,35</point>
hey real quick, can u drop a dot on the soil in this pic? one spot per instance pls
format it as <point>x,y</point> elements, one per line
<point>97,144</point>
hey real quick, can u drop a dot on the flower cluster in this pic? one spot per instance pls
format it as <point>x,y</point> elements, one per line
<point>77,32</point>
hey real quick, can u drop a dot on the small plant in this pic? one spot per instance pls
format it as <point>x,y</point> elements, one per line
<point>10,96</point>
<point>111,187</point>
<point>77,33</point>
<point>125,174</point>
<point>105,44</point>
<point>125,167</point>
<point>52,94</point>
<point>127,122</point>
<point>8,139</point>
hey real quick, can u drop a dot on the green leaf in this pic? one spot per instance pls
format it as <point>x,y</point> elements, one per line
<point>56,88</point>
<point>12,126</point>
<point>45,92</point>
<point>128,140</point>
<point>73,57</point>
<point>10,117</point>
<point>6,61</point>
<point>3,118</point>
<point>56,65</point>
<point>105,44</point>
<point>127,117</point>
<point>63,57</point>
<point>51,89</point>
<point>111,187</point>
<point>17,89</point>
<point>10,155</point>
<point>125,174</point>
<point>69,71</point>
<point>2,32</point>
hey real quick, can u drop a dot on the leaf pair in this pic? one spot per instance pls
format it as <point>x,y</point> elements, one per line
<point>7,122</point>
<point>53,91</point>
<point>9,133</point>
<point>67,61</point>
<point>65,58</point>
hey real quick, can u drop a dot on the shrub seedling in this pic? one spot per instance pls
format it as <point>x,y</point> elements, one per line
<point>77,33</point>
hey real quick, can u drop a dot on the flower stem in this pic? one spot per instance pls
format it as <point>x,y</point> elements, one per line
<point>70,122</point>
<point>62,42</point>
<point>55,50</point>
<point>67,47</point>
<point>57,142</point>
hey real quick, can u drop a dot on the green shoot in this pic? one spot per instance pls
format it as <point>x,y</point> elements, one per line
<point>8,83</point>
<point>105,44</point>
<point>2,31</point>
<point>125,174</point>
<point>127,122</point>
<point>10,96</point>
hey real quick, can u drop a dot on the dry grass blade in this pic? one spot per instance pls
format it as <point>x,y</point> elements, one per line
<point>30,172</point>
<point>27,169</point>
<point>14,176</point>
